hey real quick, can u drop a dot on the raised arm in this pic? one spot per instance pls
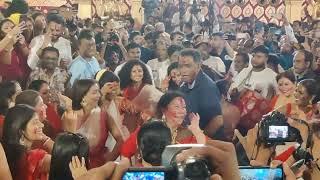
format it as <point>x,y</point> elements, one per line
<point>288,29</point>
<point>4,168</point>
<point>115,131</point>
<point>6,44</point>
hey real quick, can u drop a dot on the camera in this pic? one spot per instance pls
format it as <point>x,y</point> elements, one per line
<point>275,129</point>
<point>193,168</point>
<point>112,36</point>
<point>195,8</point>
<point>230,37</point>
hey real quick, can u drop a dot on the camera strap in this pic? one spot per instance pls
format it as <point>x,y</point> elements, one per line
<point>308,143</point>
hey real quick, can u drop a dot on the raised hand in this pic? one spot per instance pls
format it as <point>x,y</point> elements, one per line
<point>195,129</point>
<point>17,29</point>
<point>70,117</point>
<point>194,122</point>
<point>107,88</point>
<point>21,39</point>
<point>165,84</point>
<point>77,168</point>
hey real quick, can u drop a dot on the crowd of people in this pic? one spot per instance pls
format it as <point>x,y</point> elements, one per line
<point>76,95</point>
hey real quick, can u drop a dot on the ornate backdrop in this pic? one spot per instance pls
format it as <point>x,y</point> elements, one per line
<point>250,8</point>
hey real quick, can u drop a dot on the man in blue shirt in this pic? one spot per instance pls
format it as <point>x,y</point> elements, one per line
<point>202,94</point>
<point>85,66</point>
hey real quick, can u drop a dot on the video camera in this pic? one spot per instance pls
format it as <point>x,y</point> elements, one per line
<point>274,129</point>
<point>193,168</point>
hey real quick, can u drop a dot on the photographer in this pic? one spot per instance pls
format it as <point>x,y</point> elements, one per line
<point>221,155</point>
<point>259,153</point>
<point>188,17</point>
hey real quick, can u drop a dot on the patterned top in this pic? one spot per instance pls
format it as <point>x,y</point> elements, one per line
<point>56,81</point>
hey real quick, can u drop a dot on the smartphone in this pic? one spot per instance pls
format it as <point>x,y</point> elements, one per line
<point>159,173</point>
<point>261,173</point>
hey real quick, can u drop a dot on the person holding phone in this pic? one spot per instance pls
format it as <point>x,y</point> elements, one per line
<point>50,71</point>
<point>173,80</point>
<point>13,59</point>
<point>53,37</point>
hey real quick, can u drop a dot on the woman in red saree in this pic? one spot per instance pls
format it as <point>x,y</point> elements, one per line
<point>87,118</point>
<point>22,127</point>
<point>302,108</point>
<point>286,85</point>
<point>110,99</point>
<point>13,52</point>
<point>8,93</point>
<point>172,108</point>
<point>134,75</point>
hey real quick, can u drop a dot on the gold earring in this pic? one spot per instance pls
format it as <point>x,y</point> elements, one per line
<point>21,140</point>
<point>83,103</point>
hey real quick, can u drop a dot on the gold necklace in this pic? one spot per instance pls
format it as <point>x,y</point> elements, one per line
<point>174,136</point>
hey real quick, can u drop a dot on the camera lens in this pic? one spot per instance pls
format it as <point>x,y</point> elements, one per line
<point>196,169</point>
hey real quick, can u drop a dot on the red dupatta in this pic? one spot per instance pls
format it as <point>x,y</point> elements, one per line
<point>30,166</point>
<point>130,93</point>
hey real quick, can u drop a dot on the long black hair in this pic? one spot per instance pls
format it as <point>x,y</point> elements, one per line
<point>7,90</point>
<point>3,34</point>
<point>15,123</point>
<point>173,86</point>
<point>125,73</point>
<point>67,145</point>
<point>79,89</point>
<point>106,77</point>
<point>310,86</point>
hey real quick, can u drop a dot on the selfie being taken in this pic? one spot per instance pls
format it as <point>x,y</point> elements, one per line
<point>160,90</point>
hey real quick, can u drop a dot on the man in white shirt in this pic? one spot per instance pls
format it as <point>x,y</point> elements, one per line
<point>214,63</point>
<point>133,53</point>
<point>186,18</point>
<point>160,65</point>
<point>51,38</point>
<point>258,78</point>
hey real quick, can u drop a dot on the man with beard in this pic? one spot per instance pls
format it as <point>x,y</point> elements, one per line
<point>258,78</point>
<point>49,70</point>
<point>51,38</point>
